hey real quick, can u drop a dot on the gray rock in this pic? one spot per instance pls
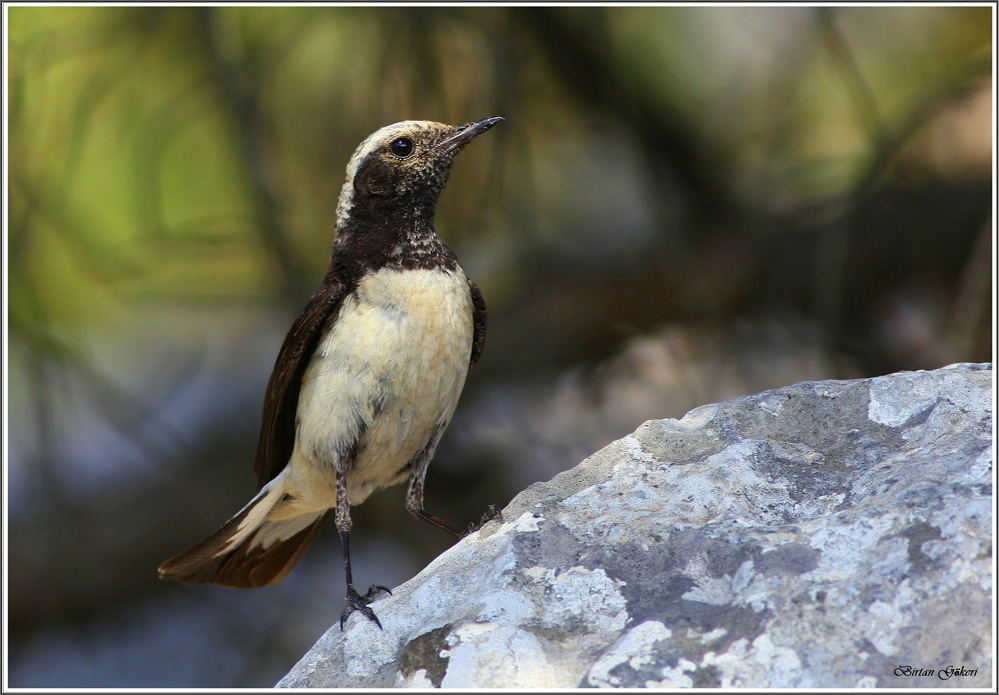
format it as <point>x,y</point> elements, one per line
<point>827,534</point>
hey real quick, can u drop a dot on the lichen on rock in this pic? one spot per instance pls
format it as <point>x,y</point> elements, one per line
<point>827,534</point>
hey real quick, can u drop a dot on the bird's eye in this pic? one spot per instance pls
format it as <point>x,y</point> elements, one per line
<point>401,147</point>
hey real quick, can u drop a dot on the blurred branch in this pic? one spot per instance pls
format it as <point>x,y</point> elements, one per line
<point>88,98</point>
<point>72,564</point>
<point>675,151</point>
<point>239,93</point>
<point>21,209</point>
<point>153,138</point>
<point>969,317</point>
<point>41,472</point>
<point>412,39</point>
<point>45,49</point>
<point>102,261</point>
<point>834,247</point>
<point>508,99</point>
<point>864,105</point>
<point>136,420</point>
<point>958,85</point>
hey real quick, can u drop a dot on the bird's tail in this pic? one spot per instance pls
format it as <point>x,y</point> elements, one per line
<point>257,547</point>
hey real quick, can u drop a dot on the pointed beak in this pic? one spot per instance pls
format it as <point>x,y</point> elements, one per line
<point>464,134</point>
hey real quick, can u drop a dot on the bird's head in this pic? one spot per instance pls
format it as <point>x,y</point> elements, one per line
<point>403,166</point>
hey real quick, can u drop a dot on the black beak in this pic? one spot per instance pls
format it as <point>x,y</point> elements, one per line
<point>463,134</point>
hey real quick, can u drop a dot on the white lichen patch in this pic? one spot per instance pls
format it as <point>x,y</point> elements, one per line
<point>782,662</point>
<point>635,450</point>
<point>845,546</point>
<point>525,523</point>
<point>715,634</point>
<point>635,648</point>
<point>883,621</point>
<point>589,596</point>
<point>898,398</point>
<point>536,573</point>
<point>505,605</point>
<point>724,484</point>
<point>417,679</point>
<point>485,654</point>
<point>745,587</point>
<point>964,520</point>
<point>743,576</point>
<point>675,677</point>
<point>761,661</point>
<point>716,591</point>
<point>981,469</point>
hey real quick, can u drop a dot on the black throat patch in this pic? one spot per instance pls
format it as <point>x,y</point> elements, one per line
<point>404,239</point>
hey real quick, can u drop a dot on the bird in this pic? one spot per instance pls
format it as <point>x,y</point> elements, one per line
<point>369,375</point>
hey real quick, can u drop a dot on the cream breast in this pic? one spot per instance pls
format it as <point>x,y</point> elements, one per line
<point>388,373</point>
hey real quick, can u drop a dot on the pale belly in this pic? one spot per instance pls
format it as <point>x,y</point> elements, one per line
<point>387,375</point>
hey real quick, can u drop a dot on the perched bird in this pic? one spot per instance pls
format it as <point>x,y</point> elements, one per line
<point>369,374</point>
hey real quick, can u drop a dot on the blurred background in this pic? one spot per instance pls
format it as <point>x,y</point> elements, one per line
<point>683,205</point>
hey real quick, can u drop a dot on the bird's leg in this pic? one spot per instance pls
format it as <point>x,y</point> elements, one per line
<point>414,503</point>
<point>422,513</point>
<point>355,602</point>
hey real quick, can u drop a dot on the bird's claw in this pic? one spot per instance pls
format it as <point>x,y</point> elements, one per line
<point>492,512</point>
<point>356,602</point>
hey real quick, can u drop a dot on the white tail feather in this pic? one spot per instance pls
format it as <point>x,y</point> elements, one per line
<point>271,517</point>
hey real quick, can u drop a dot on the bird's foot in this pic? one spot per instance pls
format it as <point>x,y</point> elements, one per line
<point>492,512</point>
<point>356,602</point>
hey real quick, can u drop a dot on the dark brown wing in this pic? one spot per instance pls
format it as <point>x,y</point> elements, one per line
<point>478,322</point>
<point>277,432</point>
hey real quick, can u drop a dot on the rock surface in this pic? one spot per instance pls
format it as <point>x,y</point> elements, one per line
<point>828,534</point>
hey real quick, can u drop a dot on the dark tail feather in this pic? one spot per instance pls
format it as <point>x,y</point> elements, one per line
<point>263,553</point>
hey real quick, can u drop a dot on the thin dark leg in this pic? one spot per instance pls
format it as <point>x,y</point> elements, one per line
<point>356,602</point>
<point>414,500</point>
<point>439,523</point>
<point>345,541</point>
